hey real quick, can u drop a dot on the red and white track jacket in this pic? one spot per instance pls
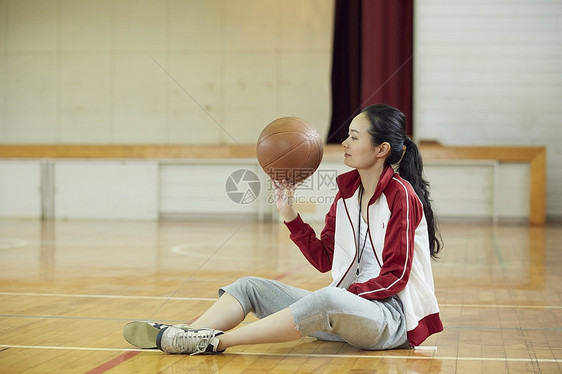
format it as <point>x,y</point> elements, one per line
<point>398,235</point>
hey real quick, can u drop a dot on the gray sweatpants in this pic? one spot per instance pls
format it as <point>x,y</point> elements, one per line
<point>330,313</point>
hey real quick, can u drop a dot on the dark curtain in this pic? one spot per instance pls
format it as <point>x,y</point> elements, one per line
<point>346,68</point>
<point>372,60</point>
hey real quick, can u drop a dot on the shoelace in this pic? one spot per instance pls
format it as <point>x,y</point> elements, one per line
<point>193,342</point>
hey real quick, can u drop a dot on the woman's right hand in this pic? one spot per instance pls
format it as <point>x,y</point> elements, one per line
<point>284,198</point>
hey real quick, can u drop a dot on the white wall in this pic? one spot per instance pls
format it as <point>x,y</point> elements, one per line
<point>78,189</point>
<point>489,72</point>
<point>164,72</point>
<point>20,189</point>
<point>105,189</point>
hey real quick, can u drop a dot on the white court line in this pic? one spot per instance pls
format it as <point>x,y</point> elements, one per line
<point>54,347</point>
<point>11,243</point>
<point>316,355</point>
<point>413,357</point>
<point>108,296</point>
<point>513,306</point>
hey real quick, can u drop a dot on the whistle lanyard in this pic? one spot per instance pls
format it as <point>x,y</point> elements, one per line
<point>359,247</point>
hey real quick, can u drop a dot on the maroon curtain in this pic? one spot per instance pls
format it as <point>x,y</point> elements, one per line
<point>346,68</point>
<point>372,60</point>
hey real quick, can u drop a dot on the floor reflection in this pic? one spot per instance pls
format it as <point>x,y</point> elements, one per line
<point>47,250</point>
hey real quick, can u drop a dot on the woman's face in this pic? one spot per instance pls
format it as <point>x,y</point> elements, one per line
<point>359,150</point>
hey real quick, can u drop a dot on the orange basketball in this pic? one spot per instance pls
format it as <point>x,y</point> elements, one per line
<point>289,148</point>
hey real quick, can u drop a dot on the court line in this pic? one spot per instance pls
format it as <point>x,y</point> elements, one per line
<point>190,276</point>
<point>11,243</point>
<point>63,348</point>
<point>443,305</point>
<point>289,272</point>
<point>109,296</point>
<point>86,318</point>
<point>488,328</point>
<point>513,306</point>
<point>106,366</point>
<point>403,357</point>
<point>316,355</point>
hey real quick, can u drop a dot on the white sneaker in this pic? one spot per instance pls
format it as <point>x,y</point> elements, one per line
<point>194,341</point>
<point>143,334</point>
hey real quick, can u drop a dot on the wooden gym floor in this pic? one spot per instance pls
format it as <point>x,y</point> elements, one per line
<point>68,287</point>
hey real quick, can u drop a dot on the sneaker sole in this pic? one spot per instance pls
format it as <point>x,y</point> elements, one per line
<point>140,334</point>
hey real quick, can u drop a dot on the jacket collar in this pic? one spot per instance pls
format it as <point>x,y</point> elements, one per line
<point>349,182</point>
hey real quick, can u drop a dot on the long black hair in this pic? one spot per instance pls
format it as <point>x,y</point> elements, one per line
<point>388,124</point>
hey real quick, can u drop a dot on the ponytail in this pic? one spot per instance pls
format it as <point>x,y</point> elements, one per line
<point>411,169</point>
<point>388,124</point>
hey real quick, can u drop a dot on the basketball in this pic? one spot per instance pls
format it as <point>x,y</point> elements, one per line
<point>289,148</point>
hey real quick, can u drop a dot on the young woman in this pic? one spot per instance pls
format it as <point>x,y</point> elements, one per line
<point>378,241</point>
